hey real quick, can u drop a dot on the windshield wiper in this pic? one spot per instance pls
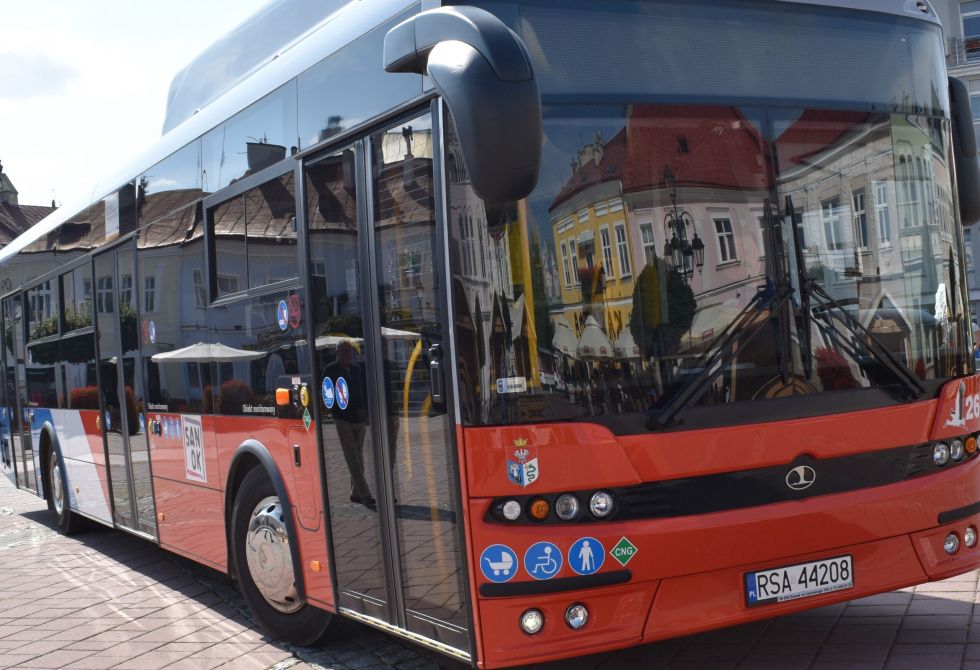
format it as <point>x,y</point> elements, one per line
<point>737,331</point>
<point>809,288</point>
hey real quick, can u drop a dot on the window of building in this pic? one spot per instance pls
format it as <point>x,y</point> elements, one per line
<point>970,12</point>
<point>725,237</point>
<point>103,295</point>
<point>601,209</point>
<point>583,215</point>
<point>830,215</point>
<point>881,213</point>
<point>564,263</point>
<point>573,259</point>
<point>622,249</point>
<point>616,205</point>
<point>649,243</point>
<point>150,294</point>
<point>126,290</point>
<point>200,294</point>
<point>860,219</point>
<point>607,259</point>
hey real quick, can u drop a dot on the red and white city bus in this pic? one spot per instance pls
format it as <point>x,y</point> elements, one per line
<point>523,329</point>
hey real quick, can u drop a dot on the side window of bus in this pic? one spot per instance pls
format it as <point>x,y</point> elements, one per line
<point>170,254</point>
<point>43,351</point>
<point>170,184</point>
<point>78,377</point>
<point>255,237</point>
<point>255,355</point>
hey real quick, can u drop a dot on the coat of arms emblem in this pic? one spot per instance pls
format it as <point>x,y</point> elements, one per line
<point>523,468</point>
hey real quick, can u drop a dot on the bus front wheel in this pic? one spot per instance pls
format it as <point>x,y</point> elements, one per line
<point>262,554</point>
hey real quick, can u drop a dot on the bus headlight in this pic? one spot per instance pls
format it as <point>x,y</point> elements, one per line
<point>951,544</point>
<point>940,454</point>
<point>511,510</point>
<point>532,621</point>
<point>956,449</point>
<point>566,507</point>
<point>970,536</point>
<point>601,504</point>
<point>576,616</point>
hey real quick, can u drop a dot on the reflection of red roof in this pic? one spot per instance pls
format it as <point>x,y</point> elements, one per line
<point>15,219</point>
<point>815,131</point>
<point>713,147</point>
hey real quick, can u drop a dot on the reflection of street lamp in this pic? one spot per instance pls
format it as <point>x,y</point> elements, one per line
<point>678,252</point>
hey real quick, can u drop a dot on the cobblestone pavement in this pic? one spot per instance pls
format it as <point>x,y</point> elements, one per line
<point>105,599</point>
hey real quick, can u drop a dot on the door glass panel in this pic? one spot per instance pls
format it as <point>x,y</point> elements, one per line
<point>418,430</point>
<point>112,419</point>
<point>348,449</point>
<point>135,420</point>
<point>14,347</point>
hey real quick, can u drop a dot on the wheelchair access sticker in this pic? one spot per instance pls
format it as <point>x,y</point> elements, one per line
<point>498,563</point>
<point>543,560</point>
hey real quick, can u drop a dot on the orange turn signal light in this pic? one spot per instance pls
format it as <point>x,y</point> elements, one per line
<point>539,509</point>
<point>315,566</point>
<point>971,445</point>
<point>282,397</point>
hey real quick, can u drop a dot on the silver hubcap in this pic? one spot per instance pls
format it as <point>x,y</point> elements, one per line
<point>57,488</point>
<point>269,559</point>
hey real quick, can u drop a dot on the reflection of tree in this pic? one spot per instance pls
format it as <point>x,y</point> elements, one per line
<point>233,396</point>
<point>658,331</point>
<point>84,398</point>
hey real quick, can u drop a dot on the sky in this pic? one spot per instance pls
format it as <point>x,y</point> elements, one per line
<point>83,85</point>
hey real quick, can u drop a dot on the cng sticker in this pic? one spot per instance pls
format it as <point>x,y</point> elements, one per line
<point>623,551</point>
<point>307,419</point>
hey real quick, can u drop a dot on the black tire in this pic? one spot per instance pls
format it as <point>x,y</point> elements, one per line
<point>69,522</point>
<point>284,616</point>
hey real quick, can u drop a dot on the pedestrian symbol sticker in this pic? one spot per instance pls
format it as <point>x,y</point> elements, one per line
<point>153,333</point>
<point>586,556</point>
<point>173,431</point>
<point>166,428</point>
<point>498,563</point>
<point>108,423</point>
<point>142,423</point>
<point>343,394</point>
<point>327,392</point>
<point>283,315</point>
<point>177,424</point>
<point>543,560</point>
<point>623,551</point>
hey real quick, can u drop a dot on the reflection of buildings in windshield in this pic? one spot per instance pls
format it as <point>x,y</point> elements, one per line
<point>873,205</point>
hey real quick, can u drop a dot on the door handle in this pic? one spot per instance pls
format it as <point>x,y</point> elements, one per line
<point>435,373</point>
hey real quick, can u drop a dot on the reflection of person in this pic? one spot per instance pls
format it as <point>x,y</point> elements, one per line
<point>976,337</point>
<point>351,421</point>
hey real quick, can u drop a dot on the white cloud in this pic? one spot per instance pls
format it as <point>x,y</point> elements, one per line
<point>25,76</point>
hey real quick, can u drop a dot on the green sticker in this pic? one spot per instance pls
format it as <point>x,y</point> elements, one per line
<point>623,551</point>
<point>307,419</point>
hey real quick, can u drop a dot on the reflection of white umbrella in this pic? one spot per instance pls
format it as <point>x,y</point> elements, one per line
<point>593,344</point>
<point>331,341</point>
<point>564,340</point>
<point>395,334</point>
<point>710,321</point>
<point>203,352</point>
<point>625,346</point>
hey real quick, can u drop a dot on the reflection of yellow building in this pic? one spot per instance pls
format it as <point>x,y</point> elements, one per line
<point>592,245</point>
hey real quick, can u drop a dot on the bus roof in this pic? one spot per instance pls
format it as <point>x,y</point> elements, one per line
<point>340,27</point>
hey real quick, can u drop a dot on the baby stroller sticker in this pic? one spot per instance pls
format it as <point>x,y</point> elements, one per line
<point>522,467</point>
<point>498,563</point>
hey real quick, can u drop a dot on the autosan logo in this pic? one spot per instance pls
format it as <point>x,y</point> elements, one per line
<point>801,477</point>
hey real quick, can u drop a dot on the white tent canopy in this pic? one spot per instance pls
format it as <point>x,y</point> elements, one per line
<point>204,352</point>
<point>593,345</point>
<point>564,340</point>
<point>625,346</point>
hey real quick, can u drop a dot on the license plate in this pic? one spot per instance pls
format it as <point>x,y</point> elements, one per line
<point>799,581</point>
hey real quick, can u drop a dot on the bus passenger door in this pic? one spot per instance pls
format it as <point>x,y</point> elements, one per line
<point>411,368</point>
<point>19,411</point>
<point>121,396</point>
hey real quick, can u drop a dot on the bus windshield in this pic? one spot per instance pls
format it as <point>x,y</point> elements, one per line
<point>693,254</point>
